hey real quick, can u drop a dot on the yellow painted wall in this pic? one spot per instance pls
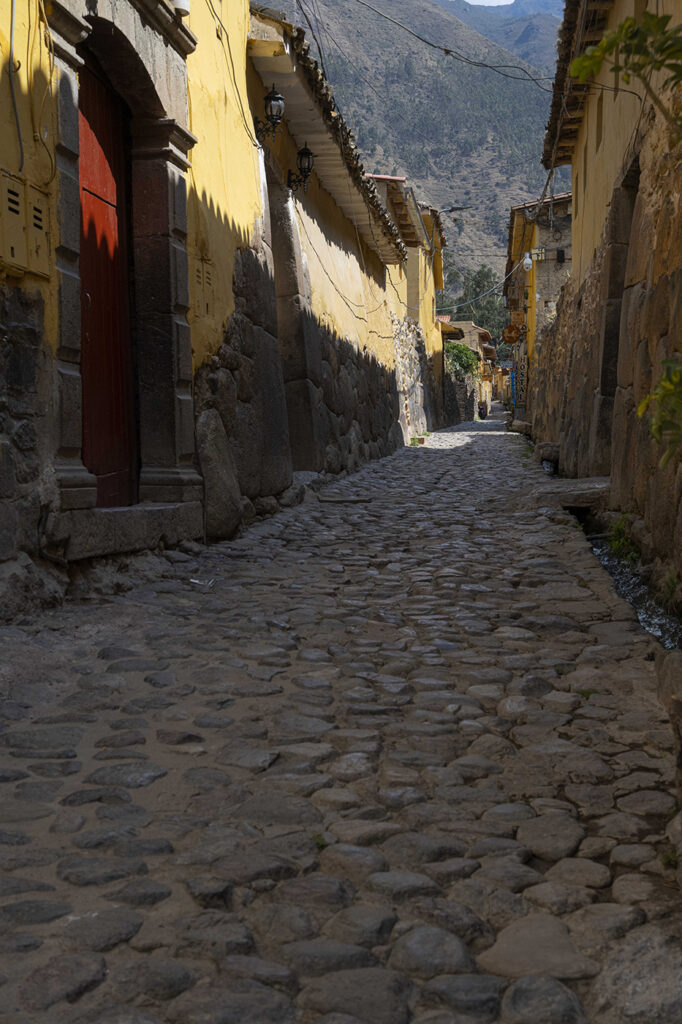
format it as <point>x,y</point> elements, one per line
<point>353,293</point>
<point>596,168</point>
<point>524,238</point>
<point>35,88</point>
<point>224,180</point>
<point>348,282</point>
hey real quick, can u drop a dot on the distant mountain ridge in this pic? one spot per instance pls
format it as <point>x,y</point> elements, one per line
<point>526,27</point>
<point>463,134</point>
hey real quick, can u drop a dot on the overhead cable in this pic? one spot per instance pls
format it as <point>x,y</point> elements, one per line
<point>499,69</point>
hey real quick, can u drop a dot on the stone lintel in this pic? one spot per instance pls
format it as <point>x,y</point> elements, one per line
<point>68,30</point>
<point>163,17</point>
<point>164,138</point>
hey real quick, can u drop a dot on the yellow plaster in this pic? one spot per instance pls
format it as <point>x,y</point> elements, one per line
<point>621,112</point>
<point>349,284</point>
<point>224,182</point>
<point>35,89</point>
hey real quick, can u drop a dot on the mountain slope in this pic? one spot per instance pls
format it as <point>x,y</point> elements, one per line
<point>462,134</point>
<point>528,28</point>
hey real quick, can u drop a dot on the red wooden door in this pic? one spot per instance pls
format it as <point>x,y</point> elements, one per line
<point>109,430</point>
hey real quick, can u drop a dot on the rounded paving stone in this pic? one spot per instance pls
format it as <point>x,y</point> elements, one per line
<point>62,977</point>
<point>425,951</point>
<point>541,1000</point>
<point>474,996</point>
<point>371,994</point>
<point>362,925</point>
<point>240,1001</point>
<point>647,801</point>
<point>156,977</point>
<point>538,943</point>
<point>580,871</point>
<point>319,956</point>
<point>101,930</point>
<point>33,912</point>
<point>129,776</point>
<point>401,885</point>
<point>142,894</point>
<point>113,1014</point>
<point>551,836</point>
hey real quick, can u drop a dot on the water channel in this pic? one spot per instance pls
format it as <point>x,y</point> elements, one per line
<point>664,625</point>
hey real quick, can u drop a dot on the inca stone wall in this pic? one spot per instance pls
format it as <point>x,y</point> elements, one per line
<point>604,353</point>
<point>256,422</point>
<point>460,399</point>
<point>26,481</point>
<point>421,408</point>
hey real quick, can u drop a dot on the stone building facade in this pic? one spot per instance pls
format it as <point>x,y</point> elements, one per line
<point>180,331</point>
<point>540,231</point>
<point>620,315</point>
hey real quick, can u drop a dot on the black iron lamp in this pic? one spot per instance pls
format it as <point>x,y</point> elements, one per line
<point>305,161</point>
<point>274,112</point>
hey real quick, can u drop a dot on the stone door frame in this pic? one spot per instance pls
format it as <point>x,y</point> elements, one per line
<point>161,334</point>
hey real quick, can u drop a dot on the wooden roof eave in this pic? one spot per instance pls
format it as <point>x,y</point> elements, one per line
<point>275,60</point>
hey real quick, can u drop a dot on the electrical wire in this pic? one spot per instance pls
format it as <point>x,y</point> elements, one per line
<point>230,60</point>
<point>12,73</point>
<point>314,35</point>
<point>499,69</point>
<point>48,91</point>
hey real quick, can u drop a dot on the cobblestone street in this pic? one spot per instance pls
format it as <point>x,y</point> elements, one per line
<point>401,761</point>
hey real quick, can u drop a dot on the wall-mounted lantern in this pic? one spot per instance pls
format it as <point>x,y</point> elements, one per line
<point>305,161</point>
<point>274,112</point>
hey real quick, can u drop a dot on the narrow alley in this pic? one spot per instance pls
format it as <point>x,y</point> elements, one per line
<point>393,755</point>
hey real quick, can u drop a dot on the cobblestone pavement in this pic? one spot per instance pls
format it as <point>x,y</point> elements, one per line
<point>401,762</point>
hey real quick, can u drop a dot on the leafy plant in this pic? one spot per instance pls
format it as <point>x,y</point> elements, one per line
<point>666,421</point>
<point>487,311</point>
<point>669,858</point>
<point>636,49</point>
<point>621,542</point>
<point>669,589</point>
<point>460,360</point>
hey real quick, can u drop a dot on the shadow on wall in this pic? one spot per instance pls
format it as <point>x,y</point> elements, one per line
<point>26,382</point>
<point>275,395</point>
<point>254,427</point>
<point>282,391</point>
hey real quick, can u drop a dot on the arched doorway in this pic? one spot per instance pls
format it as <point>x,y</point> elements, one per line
<point>125,437</point>
<point>109,419</point>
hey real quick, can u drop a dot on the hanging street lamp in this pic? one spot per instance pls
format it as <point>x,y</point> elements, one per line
<point>305,161</point>
<point>274,112</point>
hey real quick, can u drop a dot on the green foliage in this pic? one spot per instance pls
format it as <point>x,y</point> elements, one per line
<point>669,857</point>
<point>666,421</point>
<point>668,590</point>
<point>460,360</point>
<point>440,122</point>
<point>621,542</point>
<point>636,49</point>
<point>487,312</point>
